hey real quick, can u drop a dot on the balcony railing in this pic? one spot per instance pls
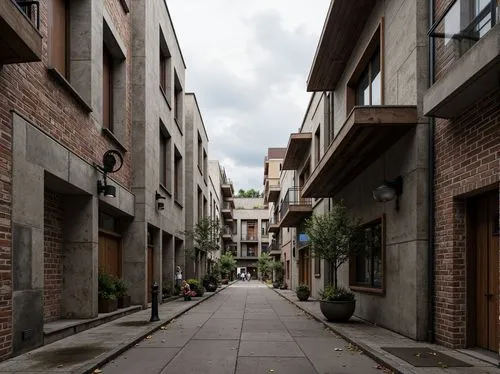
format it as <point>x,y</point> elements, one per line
<point>31,8</point>
<point>293,198</point>
<point>226,230</point>
<point>250,237</point>
<point>458,29</point>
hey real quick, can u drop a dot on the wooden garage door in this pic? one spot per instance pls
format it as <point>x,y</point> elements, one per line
<point>110,255</point>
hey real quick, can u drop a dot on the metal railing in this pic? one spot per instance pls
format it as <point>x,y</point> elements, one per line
<point>462,24</point>
<point>293,198</point>
<point>275,218</point>
<point>250,237</point>
<point>226,205</point>
<point>31,8</point>
<point>226,230</point>
<point>274,246</point>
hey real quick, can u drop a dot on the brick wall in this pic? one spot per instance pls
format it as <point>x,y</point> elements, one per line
<point>52,256</point>
<point>29,89</point>
<point>467,159</point>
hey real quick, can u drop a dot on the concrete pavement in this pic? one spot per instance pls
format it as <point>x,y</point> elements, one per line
<point>245,329</point>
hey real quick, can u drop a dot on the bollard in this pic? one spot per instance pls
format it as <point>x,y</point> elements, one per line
<point>154,303</point>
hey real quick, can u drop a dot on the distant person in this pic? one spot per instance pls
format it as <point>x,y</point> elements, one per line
<point>242,276</point>
<point>178,276</point>
<point>248,276</point>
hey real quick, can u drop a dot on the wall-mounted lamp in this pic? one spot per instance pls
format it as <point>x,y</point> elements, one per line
<point>389,190</point>
<point>112,161</point>
<point>160,203</point>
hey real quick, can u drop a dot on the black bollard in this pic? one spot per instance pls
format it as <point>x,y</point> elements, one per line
<point>154,303</point>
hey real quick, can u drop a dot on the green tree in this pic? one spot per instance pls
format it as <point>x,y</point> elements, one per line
<point>227,264</point>
<point>264,264</point>
<point>205,237</point>
<point>335,236</point>
<point>249,193</point>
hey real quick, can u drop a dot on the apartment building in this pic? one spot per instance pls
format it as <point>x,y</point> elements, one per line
<point>197,179</point>
<point>225,192</point>
<point>365,132</point>
<point>66,170</point>
<point>250,232</point>
<point>464,104</point>
<point>273,163</point>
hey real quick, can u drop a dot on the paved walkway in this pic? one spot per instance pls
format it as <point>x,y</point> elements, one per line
<point>245,329</point>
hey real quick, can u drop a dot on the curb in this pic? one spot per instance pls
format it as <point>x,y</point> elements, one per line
<point>367,350</point>
<point>100,361</point>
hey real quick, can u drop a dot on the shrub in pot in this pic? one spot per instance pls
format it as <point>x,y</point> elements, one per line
<point>210,282</point>
<point>121,293</point>
<point>303,292</point>
<point>335,236</point>
<point>196,287</point>
<point>107,301</point>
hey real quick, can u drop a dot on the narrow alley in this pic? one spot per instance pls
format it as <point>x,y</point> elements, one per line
<point>247,328</point>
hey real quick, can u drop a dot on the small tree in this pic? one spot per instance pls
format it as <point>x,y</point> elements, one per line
<point>227,264</point>
<point>279,270</point>
<point>205,237</point>
<point>335,236</point>
<point>264,264</point>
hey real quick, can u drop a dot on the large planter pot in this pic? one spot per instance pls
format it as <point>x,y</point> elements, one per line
<point>337,311</point>
<point>124,301</point>
<point>211,287</point>
<point>303,295</point>
<point>107,305</point>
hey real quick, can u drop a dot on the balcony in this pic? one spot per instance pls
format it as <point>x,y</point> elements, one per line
<point>249,237</point>
<point>227,234</point>
<point>227,209</point>
<point>274,249</point>
<point>294,208</point>
<point>20,40</point>
<point>465,45</point>
<point>231,248</point>
<point>365,135</point>
<point>297,149</point>
<point>227,188</point>
<point>272,190</point>
<point>274,223</point>
<point>344,24</point>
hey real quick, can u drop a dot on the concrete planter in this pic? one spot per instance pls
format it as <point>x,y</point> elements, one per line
<point>337,311</point>
<point>303,295</point>
<point>124,301</point>
<point>107,305</point>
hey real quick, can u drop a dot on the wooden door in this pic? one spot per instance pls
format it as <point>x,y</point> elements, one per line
<point>304,267</point>
<point>485,244</point>
<point>150,278</point>
<point>109,255</point>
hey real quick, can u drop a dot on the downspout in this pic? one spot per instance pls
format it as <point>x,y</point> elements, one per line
<point>430,202</point>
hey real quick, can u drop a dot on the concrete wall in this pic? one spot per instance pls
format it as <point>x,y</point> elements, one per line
<point>152,107</point>
<point>403,306</point>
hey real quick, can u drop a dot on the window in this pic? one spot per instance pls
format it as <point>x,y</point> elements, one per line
<point>205,166</point>
<point>178,100</point>
<point>200,204</point>
<point>107,89</point>
<point>264,247</point>
<point>317,145</point>
<point>59,41</point>
<point>205,207</point>
<point>367,269</point>
<point>200,154</point>
<point>165,68</point>
<point>368,88</point>
<point>177,176</point>
<point>317,267</point>
<point>263,228</point>
<point>165,159</point>
<point>330,132</point>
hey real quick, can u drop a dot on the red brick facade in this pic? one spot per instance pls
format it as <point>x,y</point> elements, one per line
<point>30,90</point>
<point>52,256</point>
<point>467,159</point>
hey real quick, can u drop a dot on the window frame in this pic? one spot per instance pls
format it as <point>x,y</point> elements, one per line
<point>165,158</point>
<point>352,262</point>
<point>107,61</point>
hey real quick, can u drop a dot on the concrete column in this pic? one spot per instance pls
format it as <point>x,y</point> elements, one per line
<point>80,257</point>
<point>134,261</point>
<point>168,260</point>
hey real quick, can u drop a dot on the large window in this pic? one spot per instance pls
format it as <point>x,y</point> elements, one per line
<point>368,88</point>
<point>107,89</point>
<point>178,177</point>
<point>367,268</point>
<point>165,68</point>
<point>165,159</point>
<point>178,101</point>
<point>317,145</point>
<point>59,41</point>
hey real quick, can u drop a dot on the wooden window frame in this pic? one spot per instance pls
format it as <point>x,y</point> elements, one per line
<point>165,70</point>
<point>352,263</point>
<point>55,50</point>
<point>376,41</point>
<point>107,65</point>
<point>165,160</point>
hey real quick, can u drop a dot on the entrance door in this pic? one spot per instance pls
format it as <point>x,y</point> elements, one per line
<point>150,271</point>
<point>304,267</point>
<point>484,243</point>
<point>110,255</point>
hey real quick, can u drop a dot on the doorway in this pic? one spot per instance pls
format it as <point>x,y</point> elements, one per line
<point>305,266</point>
<point>483,270</point>
<point>110,254</point>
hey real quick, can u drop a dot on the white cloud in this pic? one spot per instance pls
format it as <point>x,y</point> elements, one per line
<point>247,62</point>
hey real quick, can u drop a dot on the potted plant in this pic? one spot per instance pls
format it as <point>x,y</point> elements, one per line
<point>278,273</point>
<point>334,237</point>
<point>196,287</point>
<point>121,293</point>
<point>210,282</point>
<point>303,292</point>
<point>107,301</point>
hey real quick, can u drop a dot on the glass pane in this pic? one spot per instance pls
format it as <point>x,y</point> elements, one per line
<point>377,255</point>
<point>376,86</point>
<point>363,89</point>
<point>452,23</point>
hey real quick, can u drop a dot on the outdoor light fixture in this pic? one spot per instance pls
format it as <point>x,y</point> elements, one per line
<point>160,204</point>
<point>389,190</point>
<point>112,161</point>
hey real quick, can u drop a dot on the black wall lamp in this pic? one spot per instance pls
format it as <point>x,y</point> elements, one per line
<point>112,161</point>
<point>389,190</point>
<point>160,203</point>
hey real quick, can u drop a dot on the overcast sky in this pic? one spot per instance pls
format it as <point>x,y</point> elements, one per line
<point>247,62</point>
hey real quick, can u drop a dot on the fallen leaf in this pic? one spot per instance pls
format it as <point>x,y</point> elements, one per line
<point>163,328</point>
<point>97,371</point>
<point>271,370</point>
<point>59,366</point>
<point>337,349</point>
<point>149,337</point>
